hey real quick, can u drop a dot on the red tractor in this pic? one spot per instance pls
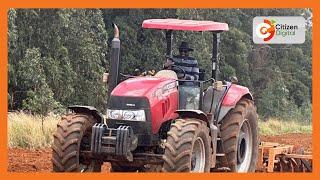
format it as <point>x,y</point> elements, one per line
<point>145,128</point>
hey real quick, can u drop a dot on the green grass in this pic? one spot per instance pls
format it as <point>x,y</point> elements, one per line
<point>277,127</point>
<point>25,131</point>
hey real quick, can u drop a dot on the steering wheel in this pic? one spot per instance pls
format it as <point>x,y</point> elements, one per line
<point>179,71</point>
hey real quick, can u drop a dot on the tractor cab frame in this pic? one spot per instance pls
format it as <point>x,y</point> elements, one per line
<point>170,25</point>
<point>191,97</point>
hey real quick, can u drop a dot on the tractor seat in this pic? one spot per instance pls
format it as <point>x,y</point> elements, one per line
<point>167,74</point>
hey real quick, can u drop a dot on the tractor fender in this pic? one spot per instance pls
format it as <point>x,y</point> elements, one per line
<point>233,95</point>
<point>192,114</point>
<point>88,110</point>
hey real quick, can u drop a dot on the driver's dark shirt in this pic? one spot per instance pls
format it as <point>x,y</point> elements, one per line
<point>189,65</point>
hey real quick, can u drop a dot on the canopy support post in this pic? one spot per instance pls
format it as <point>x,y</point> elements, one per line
<point>169,43</point>
<point>215,55</point>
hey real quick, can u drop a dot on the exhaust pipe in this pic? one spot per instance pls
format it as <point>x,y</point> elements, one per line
<point>114,61</point>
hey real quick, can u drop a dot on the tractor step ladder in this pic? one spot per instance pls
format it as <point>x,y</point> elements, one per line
<point>277,157</point>
<point>220,154</point>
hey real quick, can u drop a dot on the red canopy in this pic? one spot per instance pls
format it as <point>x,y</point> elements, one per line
<point>185,25</point>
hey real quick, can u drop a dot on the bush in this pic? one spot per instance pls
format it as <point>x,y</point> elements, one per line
<point>276,127</point>
<point>25,131</point>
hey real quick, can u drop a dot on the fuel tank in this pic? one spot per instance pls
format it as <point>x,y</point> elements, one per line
<point>161,92</point>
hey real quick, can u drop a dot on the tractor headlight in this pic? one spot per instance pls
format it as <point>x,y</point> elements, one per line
<point>130,115</point>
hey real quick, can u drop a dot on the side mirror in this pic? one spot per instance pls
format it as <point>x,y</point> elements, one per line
<point>105,77</point>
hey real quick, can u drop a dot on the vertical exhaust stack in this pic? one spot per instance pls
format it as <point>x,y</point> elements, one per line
<point>114,61</point>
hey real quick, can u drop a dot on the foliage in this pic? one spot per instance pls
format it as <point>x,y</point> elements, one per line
<point>57,56</point>
<point>39,96</point>
<point>277,127</point>
<point>25,131</point>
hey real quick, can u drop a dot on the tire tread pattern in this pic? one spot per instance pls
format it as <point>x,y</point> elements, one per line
<point>67,139</point>
<point>229,132</point>
<point>178,147</point>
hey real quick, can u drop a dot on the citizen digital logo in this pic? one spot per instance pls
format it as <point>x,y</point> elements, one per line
<point>286,30</point>
<point>286,27</point>
<point>279,30</point>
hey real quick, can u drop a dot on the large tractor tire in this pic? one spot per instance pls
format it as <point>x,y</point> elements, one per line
<point>239,134</point>
<point>187,148</point>
<point>73,136</point>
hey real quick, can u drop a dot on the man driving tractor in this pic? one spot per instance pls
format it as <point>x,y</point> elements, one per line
<point>186,68</point>
<point>184,62</point>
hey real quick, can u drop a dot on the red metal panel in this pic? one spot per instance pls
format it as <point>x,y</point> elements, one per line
<point>235,93</point>
<point>163,98</point>
<point>185,25</point>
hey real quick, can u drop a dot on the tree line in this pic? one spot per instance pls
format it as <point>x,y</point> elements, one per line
<point>57,56</point>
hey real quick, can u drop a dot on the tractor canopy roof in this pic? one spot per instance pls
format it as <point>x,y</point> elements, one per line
<point>184,25</point>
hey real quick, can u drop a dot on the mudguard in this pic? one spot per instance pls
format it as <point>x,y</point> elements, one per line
<point>88,110</point>
<point>231,98</point>
<point>234,94</point>
<point>193,114</point>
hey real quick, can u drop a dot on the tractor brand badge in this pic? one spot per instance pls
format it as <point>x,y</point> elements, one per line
<point>279,30</point>
<point>166,89</point>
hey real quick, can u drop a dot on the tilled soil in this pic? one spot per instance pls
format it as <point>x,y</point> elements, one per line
<point>23,160</point>
<point>301,142</point>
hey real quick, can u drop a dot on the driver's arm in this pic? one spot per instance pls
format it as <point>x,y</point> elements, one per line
<point>168,63</point>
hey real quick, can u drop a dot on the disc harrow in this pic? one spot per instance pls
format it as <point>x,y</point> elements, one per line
<point>275,157</point>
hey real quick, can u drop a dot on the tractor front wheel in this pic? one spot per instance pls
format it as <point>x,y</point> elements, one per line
<point>239,134</point>
<point>72,137</point>
<point>187,148</point>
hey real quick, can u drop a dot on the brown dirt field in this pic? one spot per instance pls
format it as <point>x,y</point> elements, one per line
<point>301,142</point>
<point>23,160</point>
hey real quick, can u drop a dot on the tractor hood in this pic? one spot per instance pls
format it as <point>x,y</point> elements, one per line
<point>158,96</point>
<point>140,86</point>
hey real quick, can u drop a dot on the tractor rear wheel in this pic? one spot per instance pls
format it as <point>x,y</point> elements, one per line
<point>239,134</point>
<point>73,136</point>
<point>187,148</point>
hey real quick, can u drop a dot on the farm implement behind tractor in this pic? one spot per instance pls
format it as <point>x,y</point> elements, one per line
<point>275,157</point>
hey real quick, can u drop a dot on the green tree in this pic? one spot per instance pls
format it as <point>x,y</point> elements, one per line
<point>63,53</point>
<point>86,43</point>
<point>39,95</point>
